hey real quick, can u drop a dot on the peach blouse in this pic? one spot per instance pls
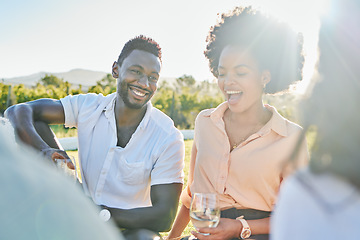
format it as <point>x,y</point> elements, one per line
<point>250,175</point>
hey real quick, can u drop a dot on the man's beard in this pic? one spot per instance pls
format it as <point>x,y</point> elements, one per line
<point>124,94</point>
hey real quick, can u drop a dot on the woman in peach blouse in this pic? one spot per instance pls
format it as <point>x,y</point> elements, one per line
<point>240,146</point>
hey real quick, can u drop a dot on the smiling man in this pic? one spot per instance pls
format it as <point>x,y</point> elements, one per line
<point>131,154</point>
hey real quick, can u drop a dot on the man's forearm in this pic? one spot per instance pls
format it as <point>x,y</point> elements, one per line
<point>159,217</point>
<point>149,218</point>
<point>21,118</point>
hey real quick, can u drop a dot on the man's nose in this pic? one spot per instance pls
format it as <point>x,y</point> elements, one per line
<point>144,80</point>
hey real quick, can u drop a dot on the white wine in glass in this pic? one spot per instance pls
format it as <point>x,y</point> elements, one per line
<point>62,165</point>
<point>204,210</point>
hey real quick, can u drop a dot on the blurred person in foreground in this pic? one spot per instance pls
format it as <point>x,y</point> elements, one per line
<point>37,202</point>
<point>322,201</point>
<point>131,154</point>
<point>239,146</point>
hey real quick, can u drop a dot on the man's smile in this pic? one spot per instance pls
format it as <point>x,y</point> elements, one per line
<point>138,92</point>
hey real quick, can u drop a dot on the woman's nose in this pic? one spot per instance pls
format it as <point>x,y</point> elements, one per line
<point>229,79</point>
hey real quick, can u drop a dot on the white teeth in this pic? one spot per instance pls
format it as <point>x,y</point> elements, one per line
<point>233,92</point>
<point>141,94</point>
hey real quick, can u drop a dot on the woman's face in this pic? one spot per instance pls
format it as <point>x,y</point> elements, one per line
<point>240,79</point>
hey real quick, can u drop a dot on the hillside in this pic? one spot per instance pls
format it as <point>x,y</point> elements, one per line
<point>76,77</point>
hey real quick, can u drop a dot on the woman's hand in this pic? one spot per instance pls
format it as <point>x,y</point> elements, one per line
<point>227,229</point>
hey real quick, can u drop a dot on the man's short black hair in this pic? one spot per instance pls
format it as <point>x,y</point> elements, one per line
<point>140,43</point>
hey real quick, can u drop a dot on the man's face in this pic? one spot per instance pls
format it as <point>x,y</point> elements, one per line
<point>138,76</point>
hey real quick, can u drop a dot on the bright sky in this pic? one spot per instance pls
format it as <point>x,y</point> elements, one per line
<point>60,35</point>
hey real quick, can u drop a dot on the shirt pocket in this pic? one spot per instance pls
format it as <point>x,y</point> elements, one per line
<point>131,173</point>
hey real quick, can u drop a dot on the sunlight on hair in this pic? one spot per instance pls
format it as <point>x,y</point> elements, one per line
<point>303,16</point>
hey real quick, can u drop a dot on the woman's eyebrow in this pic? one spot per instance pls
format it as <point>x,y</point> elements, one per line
<point>243,65</point>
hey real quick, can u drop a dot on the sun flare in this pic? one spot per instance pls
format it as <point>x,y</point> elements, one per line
<point>303,16</point>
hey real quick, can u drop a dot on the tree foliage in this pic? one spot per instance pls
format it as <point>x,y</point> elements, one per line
<point>49,86</point>
<point>105,86</point>
<point>185,98</point>
<point>51,80</point>
<point>181,100</point>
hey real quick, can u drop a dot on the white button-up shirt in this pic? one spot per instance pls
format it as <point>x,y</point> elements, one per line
<point>121,177</point>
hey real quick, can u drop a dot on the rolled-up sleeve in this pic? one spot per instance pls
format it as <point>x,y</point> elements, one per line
<point>71,108</point>
<point>170,164</point>
<point>85,104</point>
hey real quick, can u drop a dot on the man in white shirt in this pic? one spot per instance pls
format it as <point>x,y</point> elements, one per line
<point>131,154</point>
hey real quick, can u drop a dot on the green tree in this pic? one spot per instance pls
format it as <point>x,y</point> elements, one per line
<point>186,81</point>
<point>96,89</point>
<point>107,81</point>
<point>7,97</point>
<point>22,93</point>
<point>163,98</point>
<point>183,101</point>
<point>76,91</point>
<point>52,80</point>
<point>105,86</point>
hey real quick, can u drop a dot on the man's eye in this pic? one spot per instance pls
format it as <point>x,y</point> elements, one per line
<point>153,79</point>
<point>137,72</point>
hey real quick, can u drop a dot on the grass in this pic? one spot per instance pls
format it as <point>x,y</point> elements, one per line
<point>188,146</point>
<point>62,132</point>
<point>76,156</point>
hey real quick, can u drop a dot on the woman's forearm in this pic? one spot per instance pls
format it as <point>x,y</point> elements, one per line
<point>181,221</point>
<point>259,226</point>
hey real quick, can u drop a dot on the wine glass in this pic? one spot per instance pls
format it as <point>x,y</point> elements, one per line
<point>62,165</point>
<point>204,210</point>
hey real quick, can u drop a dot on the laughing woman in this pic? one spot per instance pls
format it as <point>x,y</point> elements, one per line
<point>240,146</point>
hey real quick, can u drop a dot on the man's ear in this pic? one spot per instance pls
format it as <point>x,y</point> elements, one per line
<point>115,70</point>
<point>265,77</point>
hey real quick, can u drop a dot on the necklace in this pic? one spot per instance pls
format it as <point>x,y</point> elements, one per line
<point>237,143</point>
<point>232,138</point>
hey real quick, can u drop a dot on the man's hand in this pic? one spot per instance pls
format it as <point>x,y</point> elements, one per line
<point>53,154</point>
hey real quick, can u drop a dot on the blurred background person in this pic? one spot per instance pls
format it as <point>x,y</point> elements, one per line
<point>239,146</point>
<point>323,200</point>
<point>38,202</point>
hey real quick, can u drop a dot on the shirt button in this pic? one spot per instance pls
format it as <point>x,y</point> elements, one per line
<point>103,172</point>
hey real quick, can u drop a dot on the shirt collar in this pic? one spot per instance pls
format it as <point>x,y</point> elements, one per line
<point>109,110</point>
<point>217,113</point>
<point>144,122</point>
<point>277,123</point>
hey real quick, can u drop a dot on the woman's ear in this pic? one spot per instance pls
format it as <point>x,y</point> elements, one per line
<point>115,70</point>
<point>265,77</point>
